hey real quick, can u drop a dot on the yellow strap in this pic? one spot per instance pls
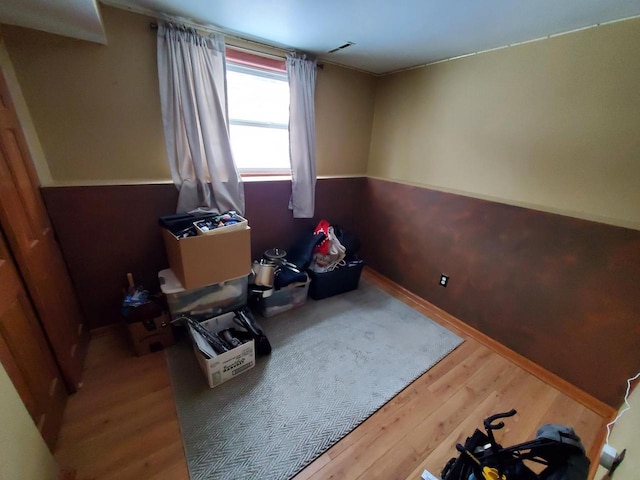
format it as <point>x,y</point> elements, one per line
<point>491,474</point>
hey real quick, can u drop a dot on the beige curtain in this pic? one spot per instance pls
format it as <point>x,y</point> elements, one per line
<point>302,134</point>
<point>192,75</point>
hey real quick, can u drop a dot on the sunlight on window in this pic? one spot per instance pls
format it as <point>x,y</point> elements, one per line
<point>258,119</point>
<point>258,99</point>
<point>258,148</point>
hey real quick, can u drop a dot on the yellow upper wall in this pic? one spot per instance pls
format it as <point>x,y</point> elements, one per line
<point>28,129</point>
<point>344,112</point>
<point>97,108</point>
<point>552,125</point>
<point>23,453</point>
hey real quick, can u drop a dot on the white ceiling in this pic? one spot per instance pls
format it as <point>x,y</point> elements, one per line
<point>71,18</point>
<point>388,35</point>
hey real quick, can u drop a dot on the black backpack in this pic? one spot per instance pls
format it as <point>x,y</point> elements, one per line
<point>557,447</point>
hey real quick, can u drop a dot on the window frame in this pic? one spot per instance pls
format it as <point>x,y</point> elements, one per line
<point>267,67</point>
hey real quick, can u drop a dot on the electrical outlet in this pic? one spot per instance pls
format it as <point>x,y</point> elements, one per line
<point>444,279</point>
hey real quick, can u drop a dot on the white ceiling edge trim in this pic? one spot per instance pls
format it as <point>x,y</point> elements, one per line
<point>101,38</point>
<point>88,34</point>
<point>559,34</point>
<point>283,50</point>
<point>208,28</point>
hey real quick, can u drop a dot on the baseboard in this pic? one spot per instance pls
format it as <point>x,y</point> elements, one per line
<point>462,329</point>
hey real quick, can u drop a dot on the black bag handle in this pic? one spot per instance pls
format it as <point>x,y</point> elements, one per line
<point>489,425</point>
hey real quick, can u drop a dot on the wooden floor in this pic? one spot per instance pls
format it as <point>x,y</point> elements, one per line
<point>123,424</point>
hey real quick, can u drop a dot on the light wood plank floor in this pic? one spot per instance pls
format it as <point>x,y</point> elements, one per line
<point>122,424</point>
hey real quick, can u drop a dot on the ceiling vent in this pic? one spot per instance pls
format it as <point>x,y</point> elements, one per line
<point>341,47</point>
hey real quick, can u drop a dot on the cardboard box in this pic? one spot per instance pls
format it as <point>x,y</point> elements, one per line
<point>228,365</point>
<point>222,230</point>
<point>151,335</point>
<point>207,259</point>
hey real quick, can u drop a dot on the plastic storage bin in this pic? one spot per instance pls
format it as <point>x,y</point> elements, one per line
<point>205,302</point>
<point>284,299</point>
<point>338,281</point>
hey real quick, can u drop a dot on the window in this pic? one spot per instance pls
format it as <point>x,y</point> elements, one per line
<point>258,101</point>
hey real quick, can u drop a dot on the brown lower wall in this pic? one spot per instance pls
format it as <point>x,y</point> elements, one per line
<point>107,231</point>
<point>561,291</point>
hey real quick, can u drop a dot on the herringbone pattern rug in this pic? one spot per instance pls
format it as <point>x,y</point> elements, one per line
<point>334,363</point>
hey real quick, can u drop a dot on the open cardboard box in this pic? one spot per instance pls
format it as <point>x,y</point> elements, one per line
<point>207,259</point>
<point>222,230</point>
<point>228,365</point>
<point>151,335</point>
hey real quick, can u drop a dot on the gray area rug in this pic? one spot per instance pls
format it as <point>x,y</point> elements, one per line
<point>334,363</point>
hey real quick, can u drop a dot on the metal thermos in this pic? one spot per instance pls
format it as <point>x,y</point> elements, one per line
<point>264,273</point>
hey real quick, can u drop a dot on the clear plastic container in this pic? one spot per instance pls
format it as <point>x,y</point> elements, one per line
<point>204,302</point>
<point>284,300</point>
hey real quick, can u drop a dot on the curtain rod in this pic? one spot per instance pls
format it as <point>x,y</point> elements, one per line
<point>154,26</point>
